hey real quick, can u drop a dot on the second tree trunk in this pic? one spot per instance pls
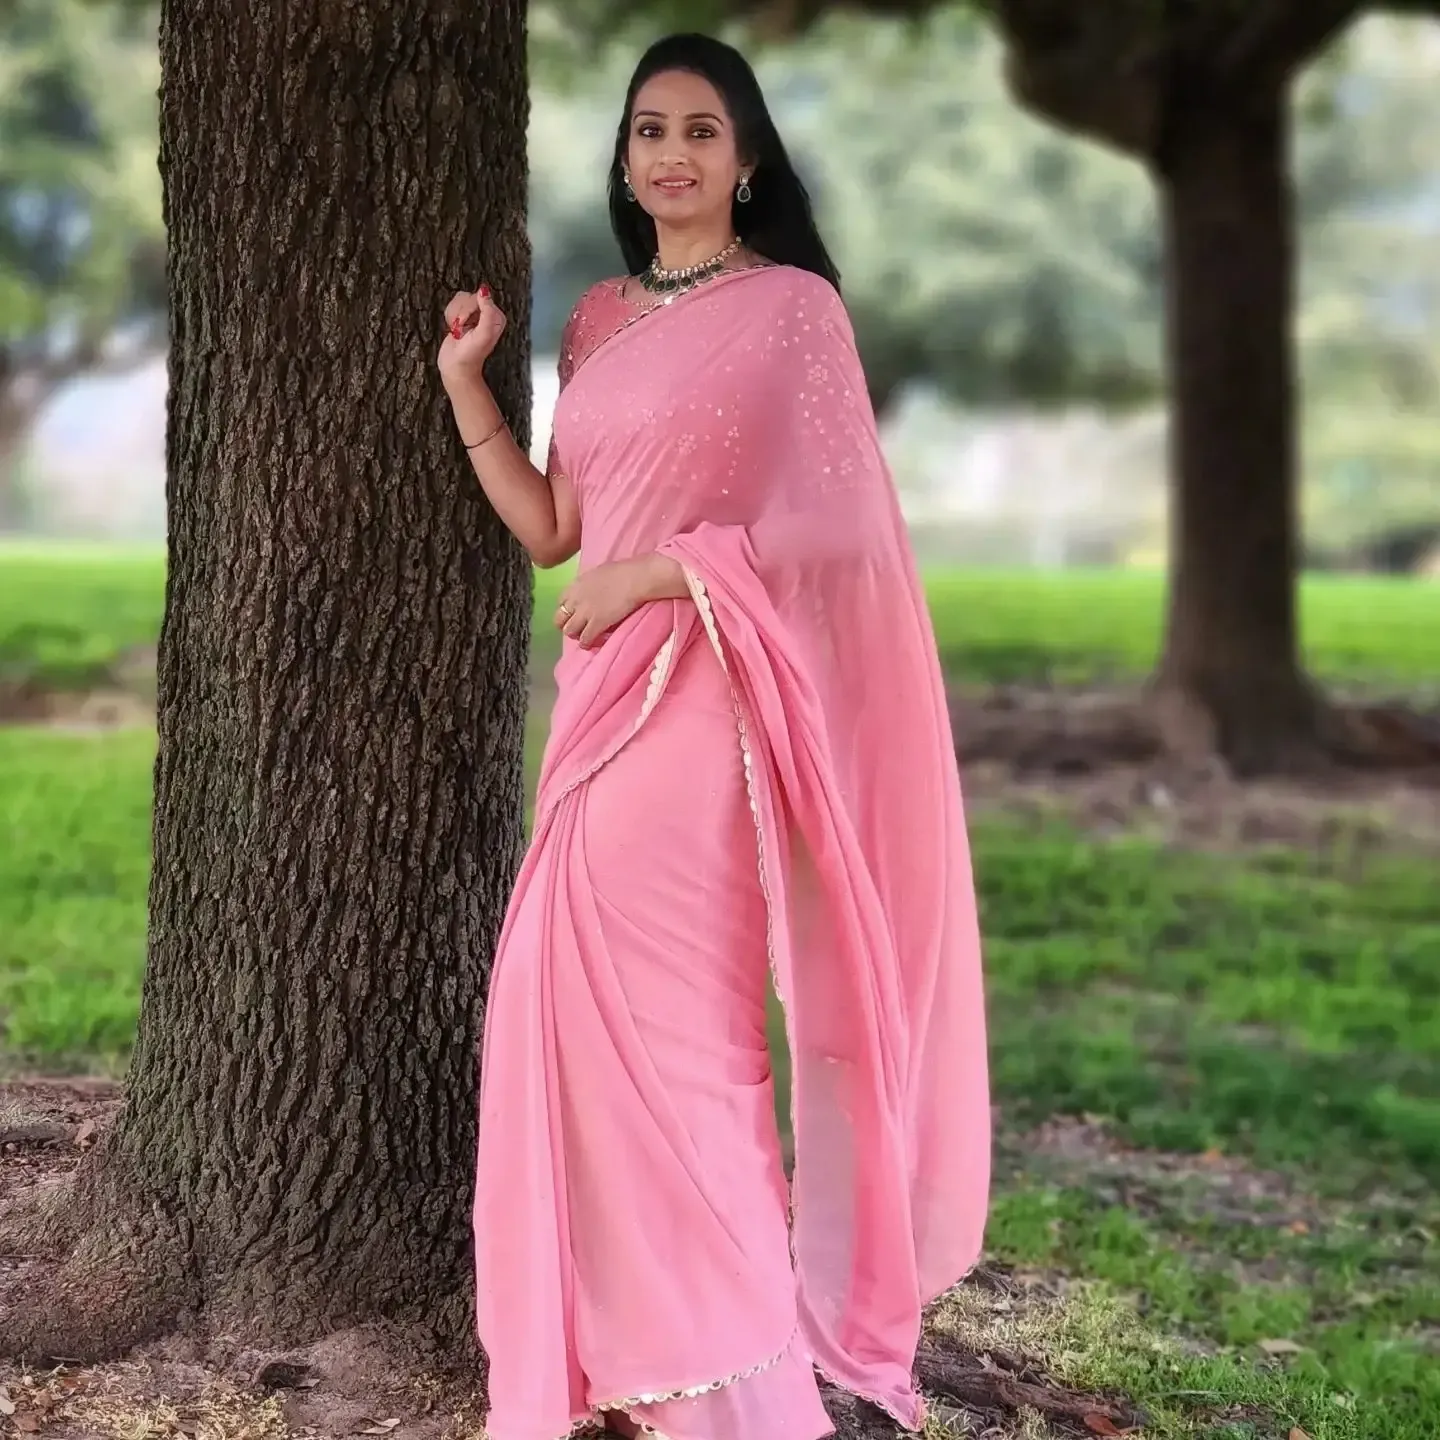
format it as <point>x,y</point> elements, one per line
<point>1230,675</point>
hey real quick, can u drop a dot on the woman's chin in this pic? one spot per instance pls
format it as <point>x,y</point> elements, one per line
<point>685,208</point>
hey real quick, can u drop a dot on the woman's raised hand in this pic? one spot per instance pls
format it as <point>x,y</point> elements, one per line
<point>473,327</point>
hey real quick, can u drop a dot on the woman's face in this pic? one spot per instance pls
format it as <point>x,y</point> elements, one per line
<point>682,158</point>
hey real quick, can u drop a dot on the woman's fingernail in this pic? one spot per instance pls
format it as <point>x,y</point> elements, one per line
<point>484,292</point>
<point>455,329</point>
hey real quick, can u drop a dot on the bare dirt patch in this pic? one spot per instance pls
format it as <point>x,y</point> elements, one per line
<point>122,692</point>
<point>102,709</point>
<point>1228,1188</point>
<point>46,1126</point>
<point>350,1384</point>
<point>1094,760</point>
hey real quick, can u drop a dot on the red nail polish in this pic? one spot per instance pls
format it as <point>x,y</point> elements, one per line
<point>484,292</point>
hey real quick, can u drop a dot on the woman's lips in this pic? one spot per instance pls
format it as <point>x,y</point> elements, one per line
<point>674,187</point>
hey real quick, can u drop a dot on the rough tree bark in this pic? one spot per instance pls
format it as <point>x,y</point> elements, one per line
<point>1230,678</point>
<point>341,688</point>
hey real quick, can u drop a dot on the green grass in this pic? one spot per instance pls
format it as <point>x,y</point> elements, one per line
<point>1352,1303</point>
<point>1280,1010</point>
<point>1283,1005</point>
<point>67,615</point>
<point>1286,1005</point>
<point>75,841</point>
<point>1088,625</point>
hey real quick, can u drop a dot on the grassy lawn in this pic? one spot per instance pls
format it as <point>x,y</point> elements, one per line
<point>67,616</point>
<point>1275,1017</point>
<point>1218,1075</point>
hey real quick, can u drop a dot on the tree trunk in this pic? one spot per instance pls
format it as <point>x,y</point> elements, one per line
<point>16,420</point>
<point>1230,678</point>
<point>339,793</point>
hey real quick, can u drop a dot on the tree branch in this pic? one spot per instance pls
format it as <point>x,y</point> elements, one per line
<point>1277,37</point>
<point>25,389</point>
<point>1095,68</point>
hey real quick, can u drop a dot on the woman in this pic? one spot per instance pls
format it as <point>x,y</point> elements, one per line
<point>750,772</point>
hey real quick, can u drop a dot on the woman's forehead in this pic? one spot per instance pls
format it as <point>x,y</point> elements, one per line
<point>679,94</point>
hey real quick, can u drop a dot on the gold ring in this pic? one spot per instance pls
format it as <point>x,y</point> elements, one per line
<point>566,610</point>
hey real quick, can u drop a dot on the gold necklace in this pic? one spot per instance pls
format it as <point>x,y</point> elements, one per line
<point>670,283</point>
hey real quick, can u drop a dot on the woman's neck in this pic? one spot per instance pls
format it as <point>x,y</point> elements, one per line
<point>678,250</point>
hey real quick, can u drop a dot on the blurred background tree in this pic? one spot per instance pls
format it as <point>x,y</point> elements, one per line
<point>82,245</point>
<point>994,258</point>
<point>989,254</point>
<point>1202,94</point>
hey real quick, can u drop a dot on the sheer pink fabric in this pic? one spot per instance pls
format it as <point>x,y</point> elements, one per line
<point>760,775</point>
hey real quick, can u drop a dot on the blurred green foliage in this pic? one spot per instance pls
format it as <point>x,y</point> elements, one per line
<point>82,251</point>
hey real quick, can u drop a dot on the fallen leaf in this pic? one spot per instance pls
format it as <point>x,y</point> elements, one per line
<point>1104,1425</point>
<point>7,1405</point>
<point>85,1132</point>
<point>26,1424</point>
<point>379,1427</point>
<point>1296,1433</point>
<point>1298,1227</point>
<point>1213,1156</point>
<point>1281,1347</point>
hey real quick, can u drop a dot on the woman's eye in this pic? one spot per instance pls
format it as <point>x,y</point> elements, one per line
<point>649,132</point>
<point>702,132</point>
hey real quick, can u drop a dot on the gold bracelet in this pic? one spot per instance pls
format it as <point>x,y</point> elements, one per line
<point>487,439</point>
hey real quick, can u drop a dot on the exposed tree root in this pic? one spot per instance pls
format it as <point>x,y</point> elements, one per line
<point>92,1268</point>
<point>1038,732</point>
<point>1274,726</point>
<point>123,1285</point>
<point>1384,737</point>
<point>91,1298</point>
<point>1293,731</point>
<point>998,1382</point>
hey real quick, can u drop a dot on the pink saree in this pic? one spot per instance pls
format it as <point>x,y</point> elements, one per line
<point>760,778</point>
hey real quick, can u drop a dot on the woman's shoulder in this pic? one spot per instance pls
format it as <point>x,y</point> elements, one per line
<point>601,294</point>
<point>791,291</point>
<point>594,315</point>
<point>793,283</point>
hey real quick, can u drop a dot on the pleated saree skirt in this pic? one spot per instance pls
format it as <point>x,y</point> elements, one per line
<point>633,1250</point>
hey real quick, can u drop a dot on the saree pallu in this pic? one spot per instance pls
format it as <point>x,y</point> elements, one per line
<point>757,779</point>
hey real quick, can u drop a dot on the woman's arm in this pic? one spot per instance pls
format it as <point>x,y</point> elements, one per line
<point>538,509</point>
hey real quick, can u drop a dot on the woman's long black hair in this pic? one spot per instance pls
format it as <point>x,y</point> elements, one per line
<point>778,221</point>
